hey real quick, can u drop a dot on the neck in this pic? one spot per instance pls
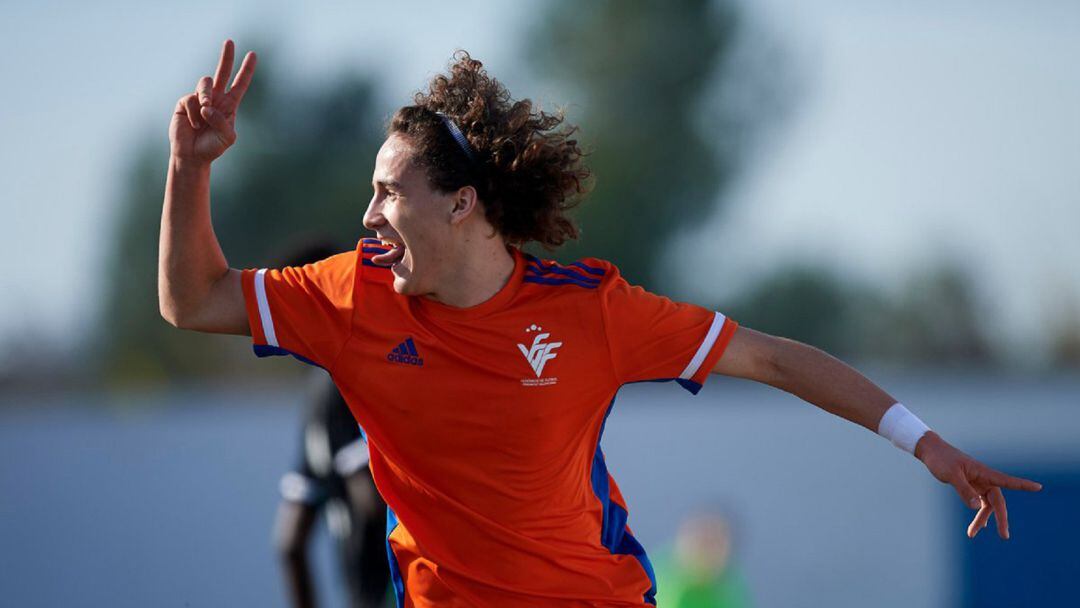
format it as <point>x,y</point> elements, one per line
<point>481,266</point>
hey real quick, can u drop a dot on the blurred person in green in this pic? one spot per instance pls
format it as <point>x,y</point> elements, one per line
<point>699,573</point>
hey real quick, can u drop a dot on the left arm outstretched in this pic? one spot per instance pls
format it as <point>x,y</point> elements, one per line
<point>827,382</point>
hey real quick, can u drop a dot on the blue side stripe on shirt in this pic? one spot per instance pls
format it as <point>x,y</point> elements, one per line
<point>614,534</point>
<point>395,569</point>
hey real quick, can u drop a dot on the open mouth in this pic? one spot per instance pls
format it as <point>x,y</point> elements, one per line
<point>390,258</point>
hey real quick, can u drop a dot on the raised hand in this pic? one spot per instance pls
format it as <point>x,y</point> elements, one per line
<point>977,484</point>
<point>204,122</point>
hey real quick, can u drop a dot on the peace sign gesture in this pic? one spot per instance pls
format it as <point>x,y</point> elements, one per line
<point>204,122</point>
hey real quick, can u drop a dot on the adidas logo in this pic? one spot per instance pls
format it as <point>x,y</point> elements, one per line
<point>405,353</point>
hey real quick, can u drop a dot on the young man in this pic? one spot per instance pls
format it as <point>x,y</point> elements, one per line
<point>483,376</point>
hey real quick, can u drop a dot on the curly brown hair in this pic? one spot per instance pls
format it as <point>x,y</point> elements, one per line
<point>528,172</point>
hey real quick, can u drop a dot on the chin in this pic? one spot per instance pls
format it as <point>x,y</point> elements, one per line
<point>401,286</point>
<point>406,282</point>
<point>405,286</point>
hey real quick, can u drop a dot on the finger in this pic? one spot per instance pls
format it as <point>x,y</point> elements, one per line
<point>1000,479</point>
<point>980,519</point>
<point>204,89</point>
<point>243,80</point>
<point>1001,514</point>
<point>224,67</point>
<point>970,497</point>
<point>220,124</point>
<point>191,104</point>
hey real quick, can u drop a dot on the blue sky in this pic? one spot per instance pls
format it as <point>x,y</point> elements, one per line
<point>95,79</point>
<point>925,130</point>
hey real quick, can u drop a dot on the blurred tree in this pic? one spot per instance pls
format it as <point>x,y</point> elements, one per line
<point>807,304</point>
<point>302,163</point>
<point>935,320</point>
<point>1064,324</point>
<point>1065,349</point>
<point>643,71</point>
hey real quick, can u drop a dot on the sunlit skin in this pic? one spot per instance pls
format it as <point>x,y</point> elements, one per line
<point>444,247</point>
<point>445,250</point>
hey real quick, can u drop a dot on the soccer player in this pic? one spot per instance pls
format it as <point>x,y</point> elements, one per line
<point>482,375</point>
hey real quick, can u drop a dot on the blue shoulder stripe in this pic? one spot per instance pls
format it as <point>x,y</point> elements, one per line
<point>563,271</point>
<point>558,281</point>
<point>590,269</point>
<point>599,272</point>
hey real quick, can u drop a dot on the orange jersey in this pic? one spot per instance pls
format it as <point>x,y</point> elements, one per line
<point>484,423</point>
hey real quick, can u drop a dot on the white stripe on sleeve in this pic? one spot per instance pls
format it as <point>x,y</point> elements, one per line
<point>264,308</point>
<point>703,350</point>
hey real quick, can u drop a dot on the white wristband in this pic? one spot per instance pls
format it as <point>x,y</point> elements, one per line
<point>902,428</point>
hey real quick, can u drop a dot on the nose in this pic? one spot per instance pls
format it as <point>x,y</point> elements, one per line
<point>373,217</point>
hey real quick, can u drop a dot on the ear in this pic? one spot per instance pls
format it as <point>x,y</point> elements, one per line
<point>464,203</point>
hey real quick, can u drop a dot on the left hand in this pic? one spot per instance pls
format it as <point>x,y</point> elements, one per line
<point>978,485</point>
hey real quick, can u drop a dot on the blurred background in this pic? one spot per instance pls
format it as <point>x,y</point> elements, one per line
<point>894,183</point>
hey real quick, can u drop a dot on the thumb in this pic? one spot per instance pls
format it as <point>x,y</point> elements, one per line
<point>966,492</point>
<point>220,124</point>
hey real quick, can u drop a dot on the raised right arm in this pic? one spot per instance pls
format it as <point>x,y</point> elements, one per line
<point>196,288</point>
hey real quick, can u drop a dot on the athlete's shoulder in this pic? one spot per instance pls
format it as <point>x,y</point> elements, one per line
<point>583,274</point>
<point>333,275</point>
<point>343,264</point>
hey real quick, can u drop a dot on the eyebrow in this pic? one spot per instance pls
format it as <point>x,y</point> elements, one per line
<point>389,184</point>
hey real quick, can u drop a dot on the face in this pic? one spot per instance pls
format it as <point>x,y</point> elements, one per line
<point>411,217</point>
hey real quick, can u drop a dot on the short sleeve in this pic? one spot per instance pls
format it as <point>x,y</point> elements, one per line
<point>654,338</point>
<point>304,311</point>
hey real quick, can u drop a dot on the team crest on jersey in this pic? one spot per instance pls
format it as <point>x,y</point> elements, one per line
<point>538,353</point>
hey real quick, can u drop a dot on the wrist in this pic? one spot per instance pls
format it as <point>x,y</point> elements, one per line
<point>902,428</point>
<point>180,164</point>
<point>926,444</point>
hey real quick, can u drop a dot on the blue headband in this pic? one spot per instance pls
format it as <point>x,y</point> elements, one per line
<point>458,136</point>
